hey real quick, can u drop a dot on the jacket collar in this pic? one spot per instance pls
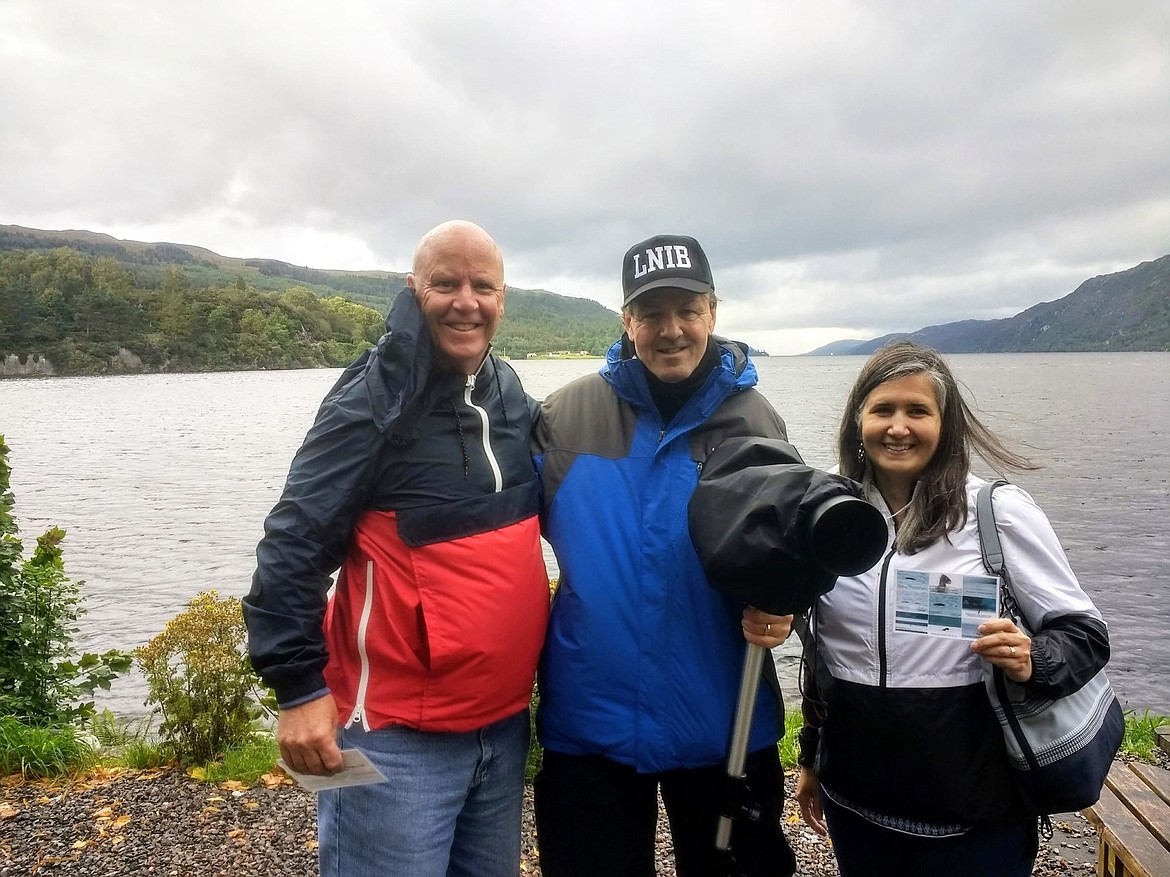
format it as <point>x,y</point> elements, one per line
<point>627,375</point>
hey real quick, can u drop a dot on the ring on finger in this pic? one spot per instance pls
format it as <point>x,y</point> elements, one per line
<point>1012,651</point>
<point>768,629</point>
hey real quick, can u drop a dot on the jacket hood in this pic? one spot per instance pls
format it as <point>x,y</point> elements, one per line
<point>389,378</point>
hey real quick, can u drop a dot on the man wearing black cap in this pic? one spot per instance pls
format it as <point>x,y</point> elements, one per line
<point>642,663</point>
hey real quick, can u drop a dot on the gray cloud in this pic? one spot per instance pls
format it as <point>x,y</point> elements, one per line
<point>851,168</point>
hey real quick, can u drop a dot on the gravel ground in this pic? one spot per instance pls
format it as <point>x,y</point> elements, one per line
<point>165,823</point>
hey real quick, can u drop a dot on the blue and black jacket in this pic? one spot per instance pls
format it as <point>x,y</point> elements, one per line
<point>643,658</point>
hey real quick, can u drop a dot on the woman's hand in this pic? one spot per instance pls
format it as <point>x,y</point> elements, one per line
<point>762,629</point>
<point>808,796</point>
<point>1005,646</point>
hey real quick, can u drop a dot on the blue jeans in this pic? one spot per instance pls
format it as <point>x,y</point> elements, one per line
<point>450,807</point>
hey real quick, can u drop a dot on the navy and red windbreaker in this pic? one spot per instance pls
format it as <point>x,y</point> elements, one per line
<point>419,486</point>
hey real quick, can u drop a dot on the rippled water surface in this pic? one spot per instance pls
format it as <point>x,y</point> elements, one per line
<point>163,481</point>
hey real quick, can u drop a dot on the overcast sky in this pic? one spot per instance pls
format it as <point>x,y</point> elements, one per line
<point>851,168</point>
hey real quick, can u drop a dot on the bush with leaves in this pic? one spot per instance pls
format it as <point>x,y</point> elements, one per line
<point>198,675</point>
<point>43,682</point>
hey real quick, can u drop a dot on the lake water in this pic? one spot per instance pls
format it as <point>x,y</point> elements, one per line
<point>163,481</point>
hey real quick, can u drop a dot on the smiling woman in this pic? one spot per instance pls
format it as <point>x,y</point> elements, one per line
<point>911,698</point>
<point>900,425</point>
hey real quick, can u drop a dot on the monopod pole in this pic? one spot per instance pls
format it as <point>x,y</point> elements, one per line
<point>749,684</point>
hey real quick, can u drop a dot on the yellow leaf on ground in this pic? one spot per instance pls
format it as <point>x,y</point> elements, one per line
<point>104,813</point>
<point>233,786</point>
<point>120,821</point>
<point>311,845</point>
<point>198,773</point>
<point>251,805</point>
<point>216,799</point>
<point>117,841</point>
<point>80,844</point>
<point>236,833</point>
<point>7,811</point>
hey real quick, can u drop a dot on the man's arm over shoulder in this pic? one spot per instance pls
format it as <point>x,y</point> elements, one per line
<point>305,539</point>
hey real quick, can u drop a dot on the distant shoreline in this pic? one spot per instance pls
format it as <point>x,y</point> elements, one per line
<point>543,356</point>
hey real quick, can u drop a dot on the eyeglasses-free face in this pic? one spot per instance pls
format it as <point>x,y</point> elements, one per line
<point>669,329</point>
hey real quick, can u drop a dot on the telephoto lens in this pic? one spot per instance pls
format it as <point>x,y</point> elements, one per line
<point>776,533</point>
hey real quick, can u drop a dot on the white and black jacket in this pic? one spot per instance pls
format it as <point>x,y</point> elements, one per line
<point>907,736</point>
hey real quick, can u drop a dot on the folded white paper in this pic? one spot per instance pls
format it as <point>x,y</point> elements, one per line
<point>358,771</point>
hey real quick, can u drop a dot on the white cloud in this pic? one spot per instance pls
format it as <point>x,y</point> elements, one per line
<point>851,168</point>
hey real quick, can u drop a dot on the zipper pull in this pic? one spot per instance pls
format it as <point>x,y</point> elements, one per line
<point>661,436</point>
<point>470,385</point>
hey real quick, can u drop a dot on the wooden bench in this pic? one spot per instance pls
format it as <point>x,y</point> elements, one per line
<point>1133,822</point>
<point>1163,734</point>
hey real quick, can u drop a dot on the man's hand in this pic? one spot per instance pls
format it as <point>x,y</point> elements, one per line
<point>762,629</point>
<point>307,737</point>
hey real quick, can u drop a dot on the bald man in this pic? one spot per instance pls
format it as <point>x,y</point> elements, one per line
<point>415,482</point>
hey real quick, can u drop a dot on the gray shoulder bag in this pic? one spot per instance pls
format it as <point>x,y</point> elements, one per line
<point>1060,750</point>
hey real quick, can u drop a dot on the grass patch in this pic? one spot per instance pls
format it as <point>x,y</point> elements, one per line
<point>246,763</point>
<point>34,752</point>
<point>789,748</point>
<point>1140,741</point>
<point>145,755</point>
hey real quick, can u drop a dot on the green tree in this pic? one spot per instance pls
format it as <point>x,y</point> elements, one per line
<point>42,680</point>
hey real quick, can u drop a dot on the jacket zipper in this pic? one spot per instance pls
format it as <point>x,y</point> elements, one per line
<point>882,658</point>
<point>359,707</point>
<point>487,433</point>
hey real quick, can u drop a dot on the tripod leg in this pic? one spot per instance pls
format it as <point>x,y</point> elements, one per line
<point>749,683</point>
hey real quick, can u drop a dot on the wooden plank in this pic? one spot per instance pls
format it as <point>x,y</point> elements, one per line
<point>1163,735</point>
<point>1148,807</point>
<point>1126,839</point>
<point>1108,864</point>
<point>1157,778</point>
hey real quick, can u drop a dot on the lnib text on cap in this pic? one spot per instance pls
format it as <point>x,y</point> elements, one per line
<point>657,258</point>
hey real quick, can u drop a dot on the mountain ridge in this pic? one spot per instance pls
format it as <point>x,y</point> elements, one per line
<point>539,321</point>
<point>1127,310</point>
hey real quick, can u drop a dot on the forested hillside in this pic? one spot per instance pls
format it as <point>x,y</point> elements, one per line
<point>88,315</point>
<point>88,303</point>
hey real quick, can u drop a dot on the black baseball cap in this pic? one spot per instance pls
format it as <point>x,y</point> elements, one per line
<point>665,261</point>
